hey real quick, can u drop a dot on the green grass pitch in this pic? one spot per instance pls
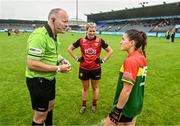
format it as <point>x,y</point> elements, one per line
<point>162,89</point>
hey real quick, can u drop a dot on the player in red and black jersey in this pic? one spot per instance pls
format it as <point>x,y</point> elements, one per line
<point>90,62</point>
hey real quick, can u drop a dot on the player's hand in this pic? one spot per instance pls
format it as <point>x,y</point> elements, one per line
<point>99,61</point>
<point>115,115</point>
<point>80,59</point>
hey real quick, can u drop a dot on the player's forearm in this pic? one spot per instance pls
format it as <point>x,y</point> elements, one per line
<point>70,50</point>
<point>124,96</point>
<point>74,56</point>
<point>109,53</point>
<point>122,99</point>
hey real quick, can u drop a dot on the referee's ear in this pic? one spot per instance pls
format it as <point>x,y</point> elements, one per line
<point>53,19</point>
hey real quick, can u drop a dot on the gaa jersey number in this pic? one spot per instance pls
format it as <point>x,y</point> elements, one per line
<point>144,74</point>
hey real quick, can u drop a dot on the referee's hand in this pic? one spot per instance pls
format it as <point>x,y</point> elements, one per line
<point>64,68</point>
<point>65,61</point>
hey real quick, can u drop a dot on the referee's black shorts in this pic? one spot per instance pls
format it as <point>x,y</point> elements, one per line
<point>89,74</point>
<point>41,91</point>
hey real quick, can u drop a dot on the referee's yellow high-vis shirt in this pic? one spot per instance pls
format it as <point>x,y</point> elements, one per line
<point>42,46</point>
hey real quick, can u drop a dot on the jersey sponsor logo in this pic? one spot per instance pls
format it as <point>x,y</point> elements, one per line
<point>35,50</point>
<point>90,51</point>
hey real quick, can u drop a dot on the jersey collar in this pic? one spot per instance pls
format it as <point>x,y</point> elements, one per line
<point>91,39</point>
<point>48,28</point>
<point>134,53</point>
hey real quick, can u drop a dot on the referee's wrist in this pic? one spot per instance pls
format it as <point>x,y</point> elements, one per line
<point>58,69</point>
<point>77,59</point>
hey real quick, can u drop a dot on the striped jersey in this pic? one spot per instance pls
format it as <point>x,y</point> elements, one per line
<point>133,71</point>
<point>90,50</point>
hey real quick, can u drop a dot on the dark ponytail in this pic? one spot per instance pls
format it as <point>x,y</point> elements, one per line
<point>140,39</point>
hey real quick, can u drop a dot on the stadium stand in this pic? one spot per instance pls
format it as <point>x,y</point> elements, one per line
<point>21,25</point>
<point>29,26</point>
<point>77,25</point>
<point>156,18</point>
<point>150,19</point>
<point>153,25</point>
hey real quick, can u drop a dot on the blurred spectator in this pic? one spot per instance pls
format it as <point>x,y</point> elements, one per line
<point>9,32</point>
<point>167,35</point>
<point>173,35</point>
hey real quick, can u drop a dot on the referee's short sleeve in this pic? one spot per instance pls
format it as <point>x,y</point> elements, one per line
<point>77,43</point>
<point>36,47</point>
<point>104,44</point>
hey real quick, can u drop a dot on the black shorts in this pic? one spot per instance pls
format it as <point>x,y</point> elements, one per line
<point>125,119</point>
<point>89,74</point>
<point>41,91</point>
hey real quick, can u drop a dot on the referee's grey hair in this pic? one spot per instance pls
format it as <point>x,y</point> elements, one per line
<point>53,13</point>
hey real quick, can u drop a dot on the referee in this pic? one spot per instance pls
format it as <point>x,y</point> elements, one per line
<point>43,64</point>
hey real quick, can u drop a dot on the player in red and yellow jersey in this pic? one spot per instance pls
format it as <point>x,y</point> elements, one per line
<point>90,62</point>
<point>128,101</point>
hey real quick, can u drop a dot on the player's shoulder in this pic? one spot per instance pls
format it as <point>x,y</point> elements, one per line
<point>130,59</point>
<point>98,39</point>
<point>136,59</point>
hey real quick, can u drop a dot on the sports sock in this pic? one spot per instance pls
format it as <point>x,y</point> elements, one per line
<point>94,103</point>
<point>84,103</point>
<point>48,121</point>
